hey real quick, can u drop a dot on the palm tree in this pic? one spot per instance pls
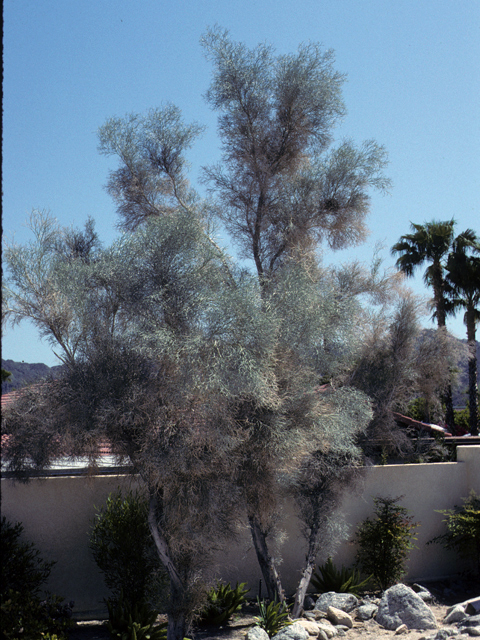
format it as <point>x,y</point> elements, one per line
<point>463,291</point>
<point>430,243</point>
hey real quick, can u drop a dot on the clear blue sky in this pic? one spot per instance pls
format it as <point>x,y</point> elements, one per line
<point>413,85</point>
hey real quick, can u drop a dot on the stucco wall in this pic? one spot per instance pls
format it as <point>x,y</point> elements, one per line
<point>57,514</point>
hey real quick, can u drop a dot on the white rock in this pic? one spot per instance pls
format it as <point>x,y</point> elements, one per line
<point>309,625</point>
<point>401,630</point>
<point>337,616</point>
<point>345,601</point>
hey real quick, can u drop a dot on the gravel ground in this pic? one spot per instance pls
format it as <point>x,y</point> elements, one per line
<point>446,594</point>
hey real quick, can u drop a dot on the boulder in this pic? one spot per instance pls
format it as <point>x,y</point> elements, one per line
<point>339,617</point>
<point>308,603</point>
<point>455,614</point>
<point>444,634</point>
<point>473,606</point>
<point>470,621</point>
<point>309,625</point>
<point>327,629</point>
<point>366,611</point>
<point>257,633</point>
<point>345,601</point>
<point>294,631</point>
<point>423,593</point>
<point>401,605</point>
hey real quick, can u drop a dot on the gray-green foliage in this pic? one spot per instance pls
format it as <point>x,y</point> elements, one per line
<point>151,179</point>
<point>279,192</point>
<point>205,376</point>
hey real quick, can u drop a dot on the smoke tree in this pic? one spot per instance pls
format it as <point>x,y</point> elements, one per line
<point>280,192</point>
<point>206,377</point>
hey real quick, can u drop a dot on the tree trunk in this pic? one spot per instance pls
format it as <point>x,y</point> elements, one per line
<point>176,616</point>
<point>177,623</point>
<point>449,413</point>
<point>265,560</point>
<point>472,371</point>
<point>439,296</point>
<point>306,573</point>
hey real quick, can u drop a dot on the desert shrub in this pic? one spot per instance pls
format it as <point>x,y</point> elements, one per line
<point>124,550</point>
<point>222,603</point>
<point>384,542</point>
<point>463,529</point>
<point>273,616</point>
<point>24,614</point>
<point>328,578</point>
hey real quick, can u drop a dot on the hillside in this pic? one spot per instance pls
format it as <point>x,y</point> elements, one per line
<point>24,373</point>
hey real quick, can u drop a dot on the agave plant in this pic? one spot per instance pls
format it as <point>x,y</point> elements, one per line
<point>222,603</point>
<point>272,616</point>
<point>329,578</point>
<point>134,622</point>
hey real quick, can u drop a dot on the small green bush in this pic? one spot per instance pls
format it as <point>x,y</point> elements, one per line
<point>22,566</point>
<point>128,621</point>
<point>23,613</point>
<point>124,551</point>
<point>384,542</point>
<point>273,616</point>
<point>328,578</point>
<point>222,603</point>
<point>463,529</point>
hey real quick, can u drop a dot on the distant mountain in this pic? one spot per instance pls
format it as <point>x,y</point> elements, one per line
<point>24,373</point>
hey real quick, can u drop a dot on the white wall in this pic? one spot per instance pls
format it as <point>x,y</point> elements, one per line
<point>57,513</point>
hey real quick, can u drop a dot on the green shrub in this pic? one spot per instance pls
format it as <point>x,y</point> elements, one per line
<point>328,578</point>
<point>384,542</point>
<point>124,550</point>
<point>127,621</point>
<point>22,566</point>
<point>23,614</point>
<point>463,529</point>
<point>462,420</point>
<point>222,603</point>
<point>273,616</point>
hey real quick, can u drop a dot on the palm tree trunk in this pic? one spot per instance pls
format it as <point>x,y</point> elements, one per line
<point>472,370</point>
<point>438,292</point>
